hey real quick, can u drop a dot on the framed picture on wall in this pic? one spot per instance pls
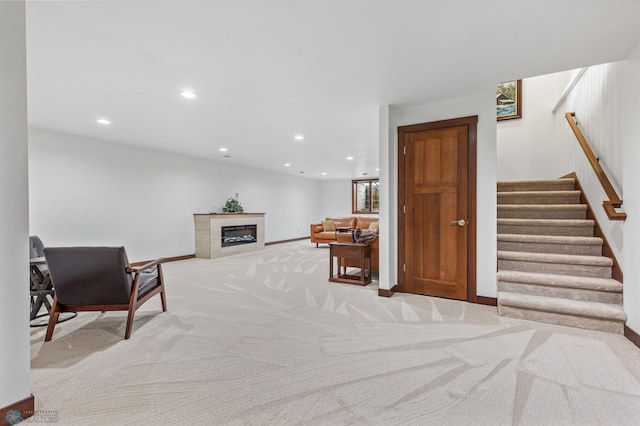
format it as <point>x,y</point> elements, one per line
<point>509,100</point>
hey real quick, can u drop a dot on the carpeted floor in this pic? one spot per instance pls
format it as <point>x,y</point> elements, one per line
<point>264,338</point>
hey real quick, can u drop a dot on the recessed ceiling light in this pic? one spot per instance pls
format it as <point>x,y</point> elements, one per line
<point>287,165</point>
<point>300,172</point>
<point>103,121</point>
<point>189,94</point>
<point>324,173</point>
<point>224,149</point>
<point>298,137</point>
<point>227,156</point>
<point>377,170</point>
<point>349,158</point>
<point>365,173</point>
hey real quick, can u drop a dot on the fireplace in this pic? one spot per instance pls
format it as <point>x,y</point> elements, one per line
<point>239,234</point>
<point>210,233</point>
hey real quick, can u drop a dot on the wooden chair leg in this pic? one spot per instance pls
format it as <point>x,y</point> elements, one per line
<point>127,332</point>
<point>53,319</point>
<point>163,298</point>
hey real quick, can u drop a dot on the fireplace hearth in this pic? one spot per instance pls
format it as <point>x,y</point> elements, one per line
<point>239,234</point>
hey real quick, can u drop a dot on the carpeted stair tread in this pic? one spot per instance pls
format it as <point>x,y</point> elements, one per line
<point>542,211</point>
<point>568,281</point>
<point>551,239</point>
<point>576,245</point>
<point>572,307</point>
<point>536,185</point>
<point>546,222</point>
<point>567,259</point>
<point>565,227</point>
<point>539,197</point>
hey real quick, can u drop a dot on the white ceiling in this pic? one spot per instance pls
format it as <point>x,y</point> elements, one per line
<point>266,70</point>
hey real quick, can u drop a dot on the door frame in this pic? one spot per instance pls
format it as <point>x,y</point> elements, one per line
<point>472,129</point>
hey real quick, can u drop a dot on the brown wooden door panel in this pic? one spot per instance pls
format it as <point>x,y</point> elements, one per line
<point>435,194</point>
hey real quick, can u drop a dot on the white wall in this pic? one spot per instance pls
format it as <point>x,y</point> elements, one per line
<point>15,383</point>
<point>335,199</point>
<point>629,111</point>
<point>388,207</point>
<point>528,147</point>
<point>89,192</point>
<point>483,106</point>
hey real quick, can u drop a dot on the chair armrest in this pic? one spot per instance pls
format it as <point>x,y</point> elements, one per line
<point>151,264</point>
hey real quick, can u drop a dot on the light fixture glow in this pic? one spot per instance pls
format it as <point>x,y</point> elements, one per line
<point>224,149</point>
<point>287,165</point>
<point>349,158</point>
<point>189,94</point>
<point>103,121</point>
<point>324,173</point>
<point>298,137</point>
<point>377,170</point>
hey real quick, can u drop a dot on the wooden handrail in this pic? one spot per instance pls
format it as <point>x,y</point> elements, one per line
<point>614,201</point>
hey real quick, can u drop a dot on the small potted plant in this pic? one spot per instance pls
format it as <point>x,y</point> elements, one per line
<point>232,206</point>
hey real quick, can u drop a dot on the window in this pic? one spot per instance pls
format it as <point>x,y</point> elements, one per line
<point>365,196</point>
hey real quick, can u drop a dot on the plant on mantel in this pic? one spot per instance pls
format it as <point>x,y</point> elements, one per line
<point>232,206</point>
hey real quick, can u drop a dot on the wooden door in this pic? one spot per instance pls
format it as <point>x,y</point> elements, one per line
<point>435,231</point>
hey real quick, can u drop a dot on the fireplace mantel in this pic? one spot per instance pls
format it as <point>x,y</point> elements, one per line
<point>208,233</point>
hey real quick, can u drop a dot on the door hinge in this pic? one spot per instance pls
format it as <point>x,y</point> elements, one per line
<point>404,209</point>
<point>405,150</point>
<point>404,267</point>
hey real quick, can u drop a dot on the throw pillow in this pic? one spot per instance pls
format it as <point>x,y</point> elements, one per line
<point>328,225</point>
<point>374,226</point>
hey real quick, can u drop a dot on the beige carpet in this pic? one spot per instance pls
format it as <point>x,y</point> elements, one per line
<point>264,338</point>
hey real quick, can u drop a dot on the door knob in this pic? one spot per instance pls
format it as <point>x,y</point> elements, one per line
<point>459,222</point>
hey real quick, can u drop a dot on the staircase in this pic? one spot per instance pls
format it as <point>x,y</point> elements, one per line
<point>550,265</point>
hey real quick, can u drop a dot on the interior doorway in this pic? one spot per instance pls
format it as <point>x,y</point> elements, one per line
<point>437,208</point>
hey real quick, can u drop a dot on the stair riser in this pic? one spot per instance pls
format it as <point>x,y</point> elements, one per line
<point>607,326</point>
<point>568,231</point>
<point>560,185</point>
<point>562,292</point>
<point>555,268</point>
<point>541,214</point>
<point>576,249</point>
<point>538,199</point>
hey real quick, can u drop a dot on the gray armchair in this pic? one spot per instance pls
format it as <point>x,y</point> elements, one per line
<point>100,279</point>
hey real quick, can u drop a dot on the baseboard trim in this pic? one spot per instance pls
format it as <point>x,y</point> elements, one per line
<point>489,301</point>
<point>270,243</point>
<point>192,256</point>
<point>168,259</point>
<point>26,407</point>
<point>630,334</point>
<point>387,293</point>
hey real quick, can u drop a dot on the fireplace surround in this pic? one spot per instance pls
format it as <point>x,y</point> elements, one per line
<point>209,240</point>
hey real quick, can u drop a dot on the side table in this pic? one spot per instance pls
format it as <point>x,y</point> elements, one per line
<point>360,252</point>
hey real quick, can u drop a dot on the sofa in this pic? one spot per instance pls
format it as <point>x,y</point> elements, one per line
<point>321,236</point>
